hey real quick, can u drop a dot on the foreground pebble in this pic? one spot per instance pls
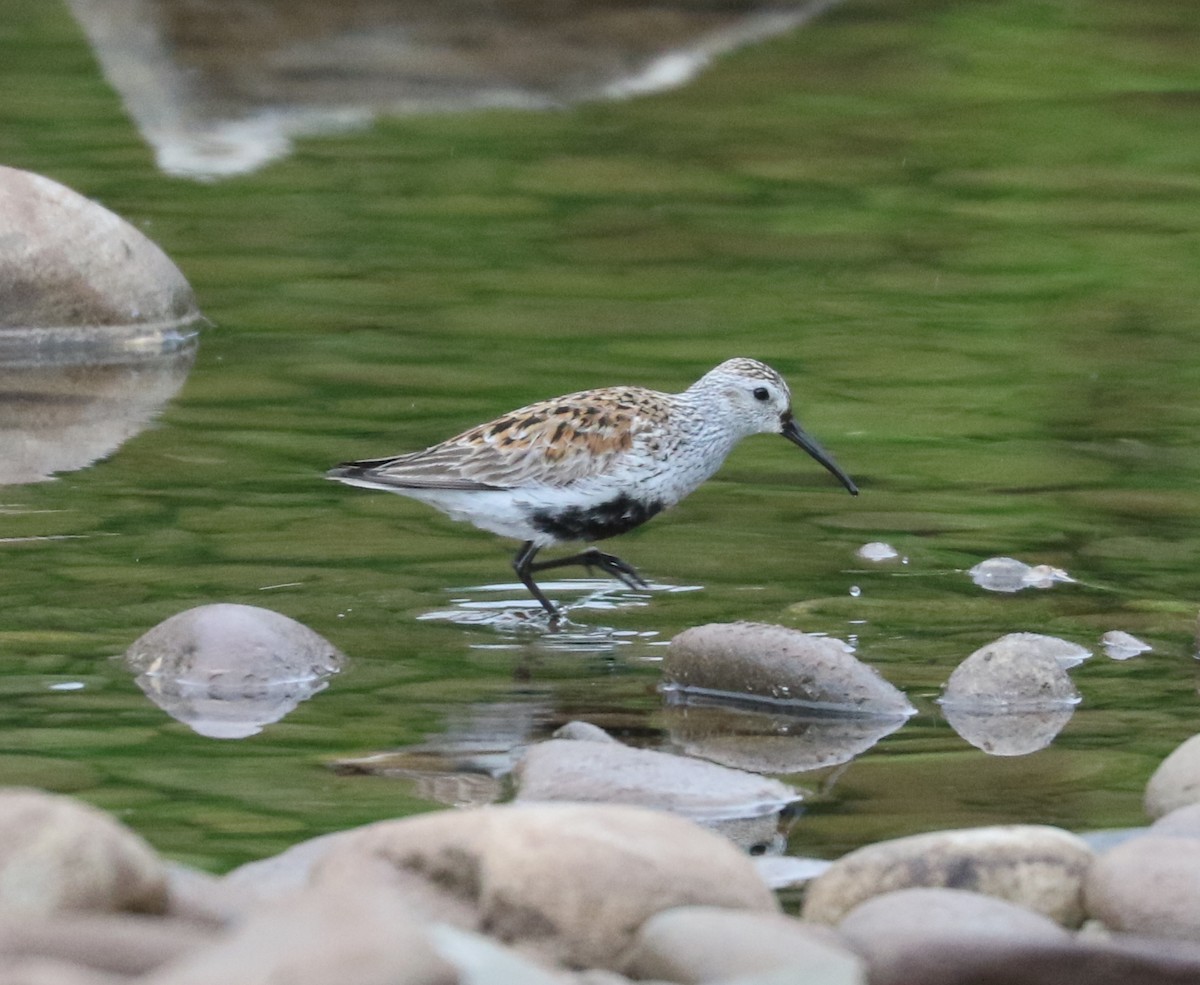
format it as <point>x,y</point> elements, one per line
<point>1148,885</point>
<point>57,854</point>
<point>1039,867</point>
<point>1176,782</point>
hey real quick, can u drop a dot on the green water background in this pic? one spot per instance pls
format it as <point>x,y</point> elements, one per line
<point>969,233</point>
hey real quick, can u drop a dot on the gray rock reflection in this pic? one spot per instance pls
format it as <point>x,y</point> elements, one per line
<point>226,671</point>
<point>221,88</point>
<point>64,407</point>
<point>1008,731</point>
<point>768,742</point>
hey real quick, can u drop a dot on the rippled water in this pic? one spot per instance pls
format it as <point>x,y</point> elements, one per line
<point>966,233</point>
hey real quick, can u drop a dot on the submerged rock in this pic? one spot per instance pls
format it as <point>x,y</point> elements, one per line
<point>1007,574</point>
<point>612,773</point>
<point>1119,645</point>
<point>227,670</point>
<point>774,664</point>
<point>1036,866</point>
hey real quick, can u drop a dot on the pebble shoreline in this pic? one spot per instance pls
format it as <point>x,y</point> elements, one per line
<point>599,893</point>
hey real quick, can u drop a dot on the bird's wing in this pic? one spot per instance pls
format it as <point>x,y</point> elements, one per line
<point>555,443</point>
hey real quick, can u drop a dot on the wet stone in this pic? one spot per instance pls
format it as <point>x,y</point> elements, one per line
<point>1036,866</point>
<point>777,665</point>
<point>1183,822</point>
<point>227,670</point>
<point>1019,671</point>
<point>66,261</point>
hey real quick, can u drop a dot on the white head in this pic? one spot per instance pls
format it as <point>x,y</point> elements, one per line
<point>760,401</point>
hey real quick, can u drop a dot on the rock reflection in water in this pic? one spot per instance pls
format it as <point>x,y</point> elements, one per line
<point>768,742</point>
<point>220,88</point>
<point>1008,731</point>
<point>63,409</point>
<point>226,671</point>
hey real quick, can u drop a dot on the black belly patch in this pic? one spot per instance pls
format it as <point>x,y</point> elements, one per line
<point>596,522</point>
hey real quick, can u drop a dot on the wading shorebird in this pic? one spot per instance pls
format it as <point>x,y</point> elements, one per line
<point>591,465</point>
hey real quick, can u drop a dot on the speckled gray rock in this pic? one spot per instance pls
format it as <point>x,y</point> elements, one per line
<point>1019,671</point>
<point>570,881</point>
<point>1148,885</point>
<point>66,261</point>
<point>58,854</point>
<point>884,928</point>
<point>1036,866</point>
<point>778,665</point>
<point>226,670</point>
<point>694,944</point>
<point>1176,782</point>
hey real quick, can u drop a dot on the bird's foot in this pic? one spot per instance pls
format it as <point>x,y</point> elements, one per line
<point>612,565</point>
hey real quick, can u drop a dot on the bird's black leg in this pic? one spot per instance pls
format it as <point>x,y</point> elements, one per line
<point>593,558</point>
<point>524,567</point>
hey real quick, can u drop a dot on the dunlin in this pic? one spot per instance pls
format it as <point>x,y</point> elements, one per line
<point>591,465</point>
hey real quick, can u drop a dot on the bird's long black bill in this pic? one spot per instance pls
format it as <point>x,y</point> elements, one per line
<point>791,430</point>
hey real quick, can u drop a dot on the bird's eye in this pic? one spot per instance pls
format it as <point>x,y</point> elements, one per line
<point>762,393</point>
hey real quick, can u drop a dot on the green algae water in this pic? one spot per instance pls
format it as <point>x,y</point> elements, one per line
<point>968,234</point>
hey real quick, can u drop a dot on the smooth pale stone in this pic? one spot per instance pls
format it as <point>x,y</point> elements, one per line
<point>1183,822</point>
<point>572,882</point>
<point>886,927</point>
<point>58,854</point>
<point>66,261</point>
<point>592,772</point>
<point>349,935</point>
<point>694,944</point>
<point>1073,962</point>
<point>1036,866</point>
<point>1176,782</point>
<point>227,670</point>
<point>778,665</point>
<point>120,943</point>
<point>583,731</point>
<point>1019,671</point>
<point>1148,885</point>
